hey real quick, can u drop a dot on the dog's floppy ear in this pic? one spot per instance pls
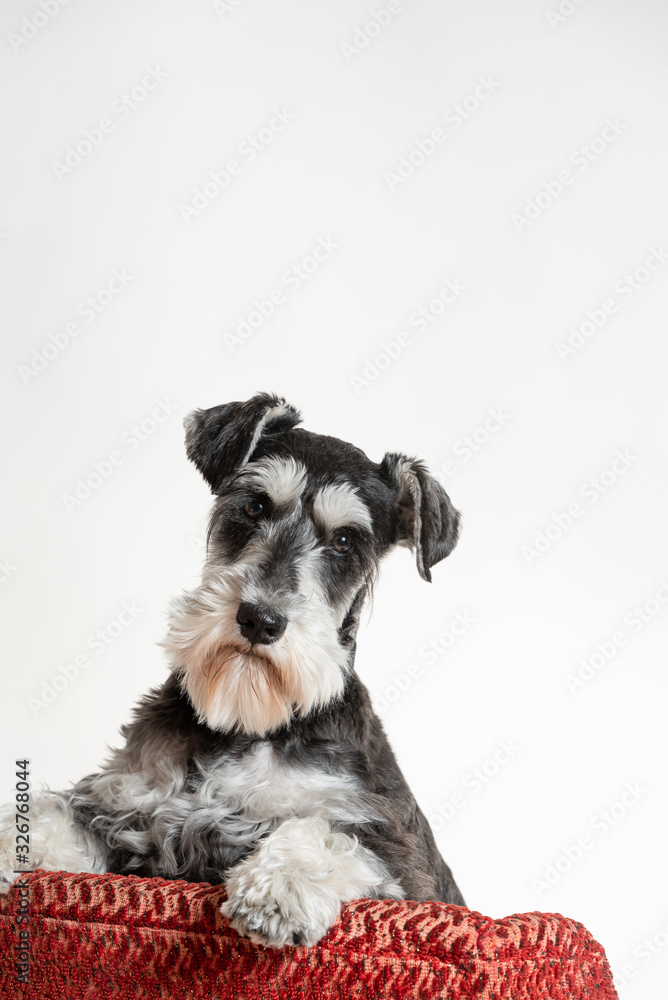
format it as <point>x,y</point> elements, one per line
<point>428,522</point>
<point>222,439</point>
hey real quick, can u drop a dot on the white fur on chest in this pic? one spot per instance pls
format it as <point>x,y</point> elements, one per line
<point>263,787</point>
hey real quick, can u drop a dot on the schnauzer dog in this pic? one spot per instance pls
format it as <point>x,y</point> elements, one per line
<point>260,762</point>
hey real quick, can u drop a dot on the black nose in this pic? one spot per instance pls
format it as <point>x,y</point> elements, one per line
<point>260,623</point>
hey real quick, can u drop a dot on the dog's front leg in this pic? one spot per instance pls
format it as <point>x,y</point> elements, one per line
<point>290,889</point>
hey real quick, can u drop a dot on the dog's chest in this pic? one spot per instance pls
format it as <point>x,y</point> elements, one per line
<point>262,786</point>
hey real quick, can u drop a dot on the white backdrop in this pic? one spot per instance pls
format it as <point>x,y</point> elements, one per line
<point>438,228</point>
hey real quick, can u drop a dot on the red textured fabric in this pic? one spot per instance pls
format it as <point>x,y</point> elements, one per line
<point>103,936</point>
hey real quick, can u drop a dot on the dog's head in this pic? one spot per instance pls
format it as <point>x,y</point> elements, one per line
<point>298,527</point>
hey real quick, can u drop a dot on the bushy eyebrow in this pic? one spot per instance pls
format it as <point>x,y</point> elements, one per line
<point>337,505</point>
<point>282,479</point>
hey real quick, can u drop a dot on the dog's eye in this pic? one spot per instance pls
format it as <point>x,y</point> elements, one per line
<point>254,509</point>
<point>342,542</point>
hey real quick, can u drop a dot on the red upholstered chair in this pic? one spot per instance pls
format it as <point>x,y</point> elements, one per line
<point>99,936</point>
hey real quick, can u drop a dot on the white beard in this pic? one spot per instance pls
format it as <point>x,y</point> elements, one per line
<point>255,689</point>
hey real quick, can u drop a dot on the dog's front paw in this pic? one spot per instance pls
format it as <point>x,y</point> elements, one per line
<point>275,907</point>
<point>290,889</point>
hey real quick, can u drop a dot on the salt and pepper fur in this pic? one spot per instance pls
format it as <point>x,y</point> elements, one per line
<point>264,766</point>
